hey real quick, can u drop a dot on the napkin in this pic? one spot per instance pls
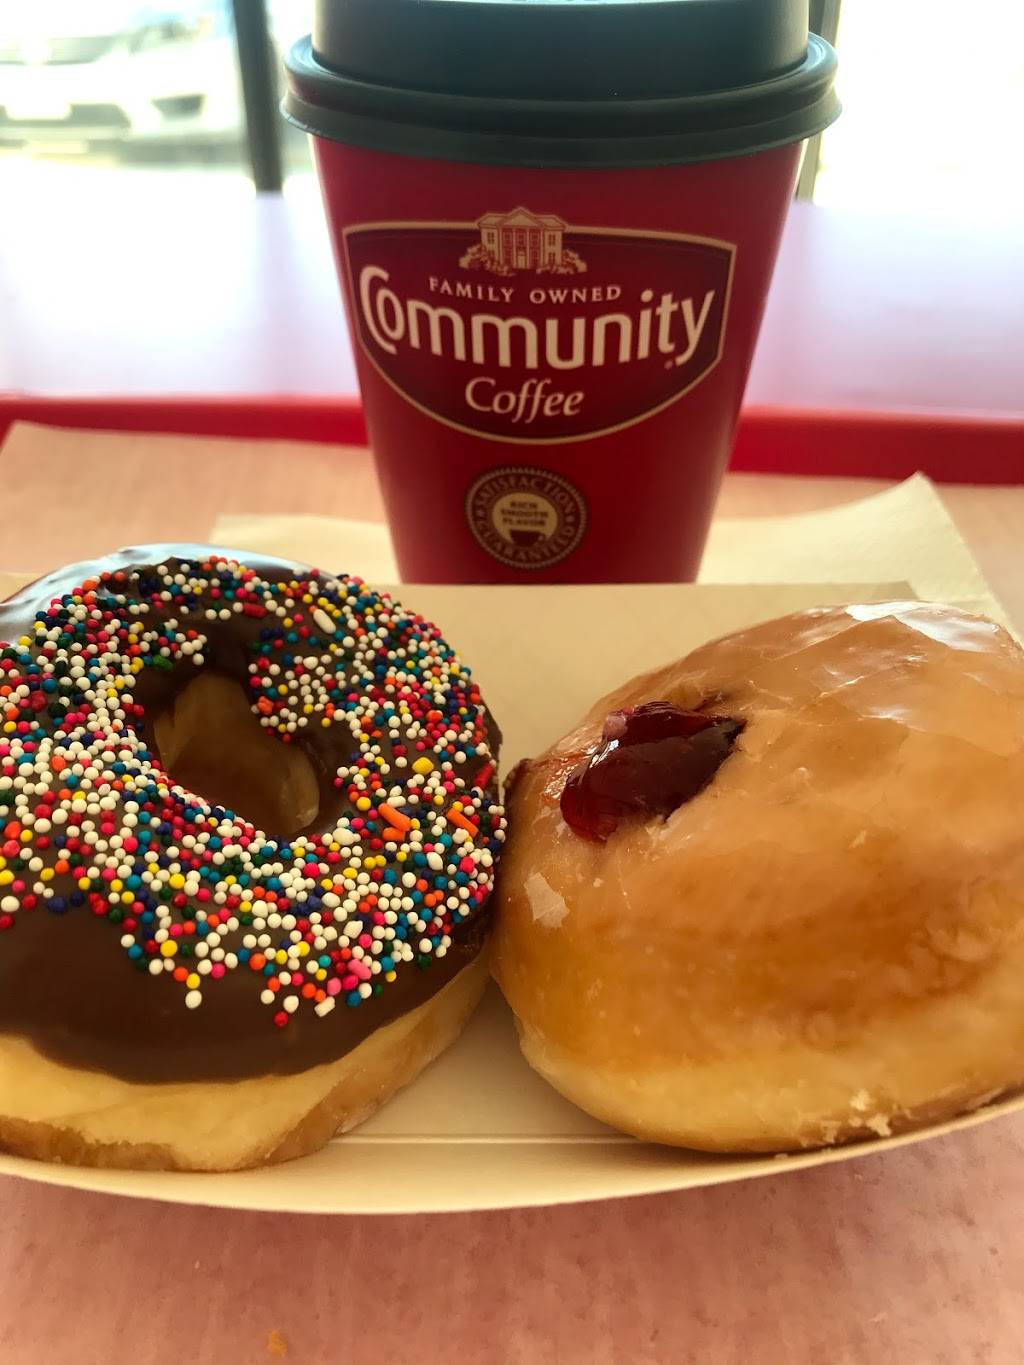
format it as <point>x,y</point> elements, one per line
<point>904,533</point>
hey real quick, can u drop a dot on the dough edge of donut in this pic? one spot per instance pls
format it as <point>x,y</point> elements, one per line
<point>946,1058</point>
<point>76,1117</point>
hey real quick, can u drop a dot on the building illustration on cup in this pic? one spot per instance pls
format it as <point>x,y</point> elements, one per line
<point>522,240</point>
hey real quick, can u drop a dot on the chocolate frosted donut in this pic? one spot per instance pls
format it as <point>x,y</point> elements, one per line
<point>248,833</point>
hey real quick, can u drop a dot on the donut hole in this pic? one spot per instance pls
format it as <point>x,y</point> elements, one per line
<point>210,742</point>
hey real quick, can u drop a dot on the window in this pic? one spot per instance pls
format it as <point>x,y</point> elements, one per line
<point>933,93</point>
<point>117,85</point>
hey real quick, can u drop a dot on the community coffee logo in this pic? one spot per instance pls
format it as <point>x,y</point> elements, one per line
<point>526,518</point>
<point>519,327</point>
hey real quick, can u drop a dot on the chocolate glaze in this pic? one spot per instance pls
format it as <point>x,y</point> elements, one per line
<point>68,986</point>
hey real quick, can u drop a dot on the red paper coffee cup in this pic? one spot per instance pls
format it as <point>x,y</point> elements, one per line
<point>555,225</point>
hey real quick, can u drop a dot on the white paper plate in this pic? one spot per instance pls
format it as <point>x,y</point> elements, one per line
<point>479,1130</point>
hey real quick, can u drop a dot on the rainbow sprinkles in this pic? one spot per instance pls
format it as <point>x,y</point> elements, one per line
<point>91,824</point>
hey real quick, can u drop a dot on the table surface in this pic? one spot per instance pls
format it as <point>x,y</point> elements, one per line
<point>913,1256</point>
<point>149,283</point>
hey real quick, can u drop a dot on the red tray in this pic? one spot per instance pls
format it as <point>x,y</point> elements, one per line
<point>950,448</point>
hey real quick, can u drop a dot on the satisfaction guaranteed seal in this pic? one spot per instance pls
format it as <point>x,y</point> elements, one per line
<point>525,517</point>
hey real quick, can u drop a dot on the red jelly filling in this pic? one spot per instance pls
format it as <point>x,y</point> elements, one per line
<point>652,758</point>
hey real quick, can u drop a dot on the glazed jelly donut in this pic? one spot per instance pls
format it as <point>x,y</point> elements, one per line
<point>771,896</point>
<point>248,836</point>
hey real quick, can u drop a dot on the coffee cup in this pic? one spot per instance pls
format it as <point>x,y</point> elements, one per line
<point>555,223</point>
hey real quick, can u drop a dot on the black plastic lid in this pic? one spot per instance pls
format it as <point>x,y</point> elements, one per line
<point>562,82</point>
